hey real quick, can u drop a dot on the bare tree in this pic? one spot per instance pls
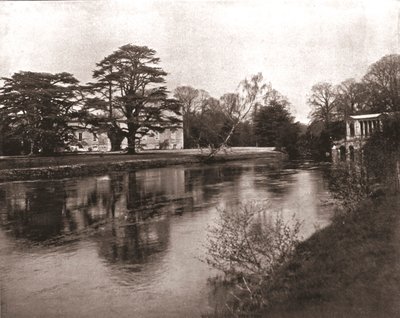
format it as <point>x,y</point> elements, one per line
<point>187,96</point>
<point>323,102</point>
<point>249,95</point>
<point>383,80</point>
<point>351,97</point>
<point>230,105</point>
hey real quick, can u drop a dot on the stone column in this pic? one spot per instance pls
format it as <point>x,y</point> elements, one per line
<point>1,140</point>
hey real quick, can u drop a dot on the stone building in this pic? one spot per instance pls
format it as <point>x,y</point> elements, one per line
<point>358,129</point>
<point>89,140</point>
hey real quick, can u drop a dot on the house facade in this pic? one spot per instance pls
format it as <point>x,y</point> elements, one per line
<point>358,129</point>
<point>87,139</point>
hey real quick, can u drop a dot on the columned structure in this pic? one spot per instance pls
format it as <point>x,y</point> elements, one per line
<point>358,129</point>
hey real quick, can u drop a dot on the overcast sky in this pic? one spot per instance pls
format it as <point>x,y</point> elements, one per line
<point>211,45</point>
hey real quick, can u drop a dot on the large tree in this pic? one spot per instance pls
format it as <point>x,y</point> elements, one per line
<point>351,98</point>
<point>37,109</point>
<point>383,81</point>
<point>268,123</point>
<point>323,103</point>
<point>136,93</point>
<point>192,102</point>
<point>100,104</point>
<point>274,126</point>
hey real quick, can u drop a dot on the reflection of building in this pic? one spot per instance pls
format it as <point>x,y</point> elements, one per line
<point>358,129</point>
<point>87,139</point>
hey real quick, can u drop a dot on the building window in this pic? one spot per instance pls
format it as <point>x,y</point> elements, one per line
<point>80,136</point>
<point>94,137</point>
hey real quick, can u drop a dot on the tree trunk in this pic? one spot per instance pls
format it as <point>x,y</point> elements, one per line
<point>115,135</point>
<point>132,129</point>
<point>214,151</point>
<point>186,129</point>
<point>115,140</point>
<point>131,145</point>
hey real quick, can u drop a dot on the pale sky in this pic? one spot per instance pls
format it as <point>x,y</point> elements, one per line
<point>210,45</point>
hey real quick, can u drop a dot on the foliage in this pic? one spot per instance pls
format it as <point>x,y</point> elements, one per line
<point>256,114</point>
<point>220,123</point>
<point>317,141</point>
<point>102,115</point>
<point>194,102</point>
<point>382,152</point>
<point>349,185</point>
<point>375,172</point>
<point>187,96</point>
<point>322,102</point>
<point>382,80</point>
<point>133,81</point>
<point>347,269</point>
<point>239,107</point>
<point>249,251</point>
<point>351,98</point>
<point>275,127</point>
<point>37,107</point>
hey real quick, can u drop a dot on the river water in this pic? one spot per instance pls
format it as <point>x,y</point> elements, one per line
<point>130,244</point>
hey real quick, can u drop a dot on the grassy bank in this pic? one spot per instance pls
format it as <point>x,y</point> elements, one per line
<point>349,269</point>
<point>75,165</point>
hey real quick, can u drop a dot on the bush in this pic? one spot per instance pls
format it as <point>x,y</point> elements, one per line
<point>349,185</point>
<point>382,153</point>
<point>248,249</point>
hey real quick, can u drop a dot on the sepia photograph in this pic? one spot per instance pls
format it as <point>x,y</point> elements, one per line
<point>200,159</point>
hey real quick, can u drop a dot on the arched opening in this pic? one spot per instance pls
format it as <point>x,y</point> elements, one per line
<point>351,152</point>
<point>342,153</point>
<point>351,129</point>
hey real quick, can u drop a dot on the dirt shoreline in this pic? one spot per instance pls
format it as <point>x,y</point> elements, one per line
<point>24,168</point>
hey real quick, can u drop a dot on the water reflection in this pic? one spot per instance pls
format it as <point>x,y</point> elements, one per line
<point>142,230</point>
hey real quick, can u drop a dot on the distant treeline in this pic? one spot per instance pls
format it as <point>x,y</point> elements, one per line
<point>128,87</point>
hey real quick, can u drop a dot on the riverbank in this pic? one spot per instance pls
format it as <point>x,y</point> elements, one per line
<point>349,269</point>
<point>77,165</point>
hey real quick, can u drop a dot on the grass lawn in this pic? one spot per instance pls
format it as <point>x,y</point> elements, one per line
<point>16,162</point>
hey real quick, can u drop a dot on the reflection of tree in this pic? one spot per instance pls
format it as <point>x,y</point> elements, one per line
<point>123,243</point>
<point>39,213</point>
<point>91,201</point>
<point>155,192</point>
<point>116,189</point>
<point>44,210</point>
<point>145,228</point>
<point>209,181</point>
<point>276,180</point>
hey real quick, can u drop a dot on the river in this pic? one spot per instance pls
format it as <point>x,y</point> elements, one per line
<point>130,244</point>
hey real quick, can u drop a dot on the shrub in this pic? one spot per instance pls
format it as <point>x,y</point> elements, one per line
<point>249,248</point>
<point>349,185</point>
